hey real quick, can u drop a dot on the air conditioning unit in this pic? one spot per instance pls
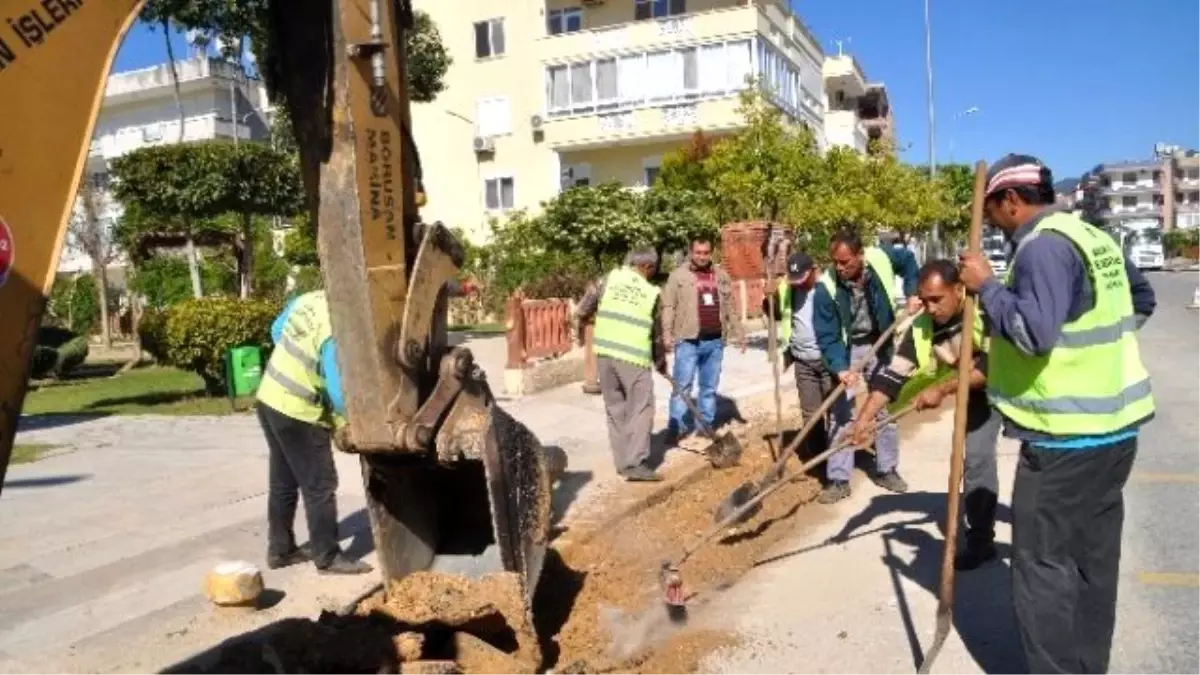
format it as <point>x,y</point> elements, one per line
<point>536,122</point>
<point>484,144</point>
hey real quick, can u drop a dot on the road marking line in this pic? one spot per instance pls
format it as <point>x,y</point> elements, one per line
<point>1158,477</point>
<point>1169,579</point>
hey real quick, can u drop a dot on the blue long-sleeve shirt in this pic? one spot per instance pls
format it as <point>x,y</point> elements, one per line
<point>1050,288</point>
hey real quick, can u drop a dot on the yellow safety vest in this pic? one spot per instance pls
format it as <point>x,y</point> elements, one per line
<point>1093,380</point>
<point>878,261</point>
<point>625,318</point>
<point>292,384</point>
<point>783,296</point>
<point>930,369</point>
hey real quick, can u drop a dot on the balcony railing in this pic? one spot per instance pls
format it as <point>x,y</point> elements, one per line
<point>135,81</point>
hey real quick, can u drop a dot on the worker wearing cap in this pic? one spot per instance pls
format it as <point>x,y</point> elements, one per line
<point>1067,376</point>
<point>628,344</point>
<point>798,340</point>
<point>927,351</point>
<point>852,309</point>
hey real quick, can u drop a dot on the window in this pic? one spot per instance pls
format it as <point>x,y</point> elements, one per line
<point>656,77</point>
<point>650,168</point>
<point>492,116</point>
<point>656,9</point>
<point>489,38</point>
<point>1129,177</point>
<point>152,133</point>
<point>566,20</point>
<point>1129,202</point>
<point>576,175</point>
<point>498,193</point>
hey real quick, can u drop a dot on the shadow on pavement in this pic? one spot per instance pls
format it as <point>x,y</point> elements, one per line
<point>983,614</point>
<point>53,421</point>
<point>48,481</point>
<point>148,399</point>
<point>358,526</point>
<point>566,492</point>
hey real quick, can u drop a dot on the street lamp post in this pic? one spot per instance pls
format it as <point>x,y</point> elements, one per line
<point>929,100</point>
<point>954,125</point>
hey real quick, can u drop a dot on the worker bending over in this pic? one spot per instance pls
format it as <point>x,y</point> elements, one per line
<point>1066,373</point>
<point>853,307</point>
<point>296,409</point>
<point>930,347</point>
<point>628,344</point>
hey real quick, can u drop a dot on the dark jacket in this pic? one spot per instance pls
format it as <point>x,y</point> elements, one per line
<point>831,316</point>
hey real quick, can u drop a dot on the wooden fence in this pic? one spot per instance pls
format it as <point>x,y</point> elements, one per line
<point>537,329</point>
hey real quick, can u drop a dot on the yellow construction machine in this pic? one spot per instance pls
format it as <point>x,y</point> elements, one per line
<point>453,483</point>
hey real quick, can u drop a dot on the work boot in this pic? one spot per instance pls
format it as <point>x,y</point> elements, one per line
<point>343,565</point>
<point>890,481</point>
<point>297,555</point>
<point>834,492</point>
<point>974,556</point>
<point>642,474</point>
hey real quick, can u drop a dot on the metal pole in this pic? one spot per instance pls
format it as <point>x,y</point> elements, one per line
<point>929,98</point>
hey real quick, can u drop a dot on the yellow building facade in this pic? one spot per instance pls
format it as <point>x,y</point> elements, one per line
<point>550,93</point>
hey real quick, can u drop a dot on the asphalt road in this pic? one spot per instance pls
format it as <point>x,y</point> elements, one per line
<point>854,589</point>
<point>1157,622</point>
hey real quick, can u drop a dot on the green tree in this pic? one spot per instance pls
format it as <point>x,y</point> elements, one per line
<point>188,185</point>
<point>755,173</point>
<point>428,59</point>
<point>673,216</point>
<point>603,222</point>
<point>958,183</point>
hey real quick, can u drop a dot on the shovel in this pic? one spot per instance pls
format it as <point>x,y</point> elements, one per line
<point>723,451</point>
<point>747,491</point>
<point>729,514</point>
<point>945,608</point>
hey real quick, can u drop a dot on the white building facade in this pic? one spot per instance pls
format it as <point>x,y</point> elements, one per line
<point>140,109</point>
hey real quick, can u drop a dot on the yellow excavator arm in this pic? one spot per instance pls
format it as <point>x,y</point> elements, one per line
<point>452,482</point>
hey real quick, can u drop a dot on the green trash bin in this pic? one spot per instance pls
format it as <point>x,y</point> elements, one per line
<point>244,370</point>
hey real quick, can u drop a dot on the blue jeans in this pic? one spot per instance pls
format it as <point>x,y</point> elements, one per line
<point>692,358</point>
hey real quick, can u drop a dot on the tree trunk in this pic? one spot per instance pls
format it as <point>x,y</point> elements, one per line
<point>100,276</point>
<point>135,322</point>
<point>193,266</point>
<point>247,255</point>
<point>166,24</point>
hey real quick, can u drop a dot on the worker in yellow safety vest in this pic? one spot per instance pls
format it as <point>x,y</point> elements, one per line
<point>854,309</point>
<point>298,407</point>
<point>1066,374</point>
<point>920,372</point>
<point>628,344</point>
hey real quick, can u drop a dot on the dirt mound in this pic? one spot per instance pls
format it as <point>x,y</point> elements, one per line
<point>618,621</point>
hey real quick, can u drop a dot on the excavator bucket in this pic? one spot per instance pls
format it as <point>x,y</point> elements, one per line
<point>483,507</point>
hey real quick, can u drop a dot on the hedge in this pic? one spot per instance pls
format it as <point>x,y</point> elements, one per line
<point>196,334</point>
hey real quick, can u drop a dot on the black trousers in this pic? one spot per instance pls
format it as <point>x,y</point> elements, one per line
<point>980,477</point>
<point>300,463</point>
<point>1068,511</point>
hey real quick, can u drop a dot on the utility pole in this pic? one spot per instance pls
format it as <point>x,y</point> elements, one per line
<point>929,99</point>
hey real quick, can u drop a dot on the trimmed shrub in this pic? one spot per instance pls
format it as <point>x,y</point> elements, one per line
<point>58,352</point>
<point>196,334</point>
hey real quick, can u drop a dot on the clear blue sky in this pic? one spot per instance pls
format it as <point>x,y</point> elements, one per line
<point>1073,83</point>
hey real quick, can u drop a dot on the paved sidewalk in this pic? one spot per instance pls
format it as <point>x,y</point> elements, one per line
<point>855,590</point>
<point>105,544</point>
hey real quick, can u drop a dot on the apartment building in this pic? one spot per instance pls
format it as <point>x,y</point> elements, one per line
<point>858,112</point>
<point>139,109</point>
<point>1165,187</point>
<point>545,94</point>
